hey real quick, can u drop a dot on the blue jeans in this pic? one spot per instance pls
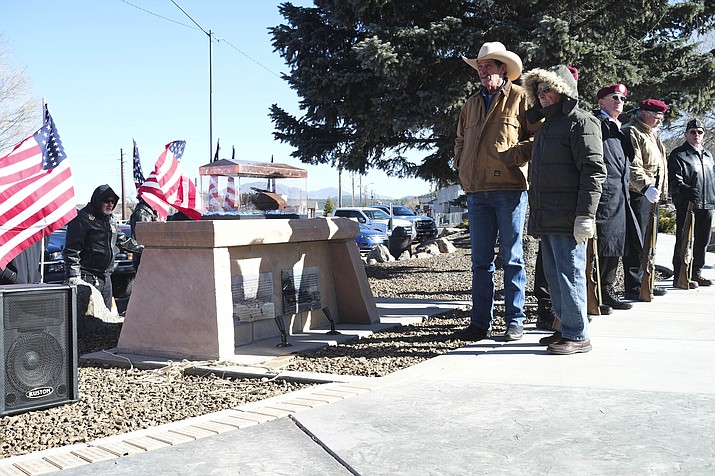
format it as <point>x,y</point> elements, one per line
<point>564,266</point>
<point>492,213</point>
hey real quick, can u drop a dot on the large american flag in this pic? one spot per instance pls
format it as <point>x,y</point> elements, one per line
<point>138,173</point>
<point>168,187</point>
<point>36,191</point>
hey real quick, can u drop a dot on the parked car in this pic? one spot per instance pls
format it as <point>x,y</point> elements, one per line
<point>54,268</point>
<point>375,219</point>
<point>368,238</point>
<point>425,226</point>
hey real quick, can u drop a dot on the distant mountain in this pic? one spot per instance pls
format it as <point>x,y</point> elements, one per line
<point>324,193</point>
<point>294,192</point>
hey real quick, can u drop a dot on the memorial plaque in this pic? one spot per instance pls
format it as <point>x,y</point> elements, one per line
<point>301,289</point>
<point>253,297</point>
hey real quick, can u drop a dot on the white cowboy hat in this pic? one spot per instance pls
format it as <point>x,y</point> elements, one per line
<point>497,51</point>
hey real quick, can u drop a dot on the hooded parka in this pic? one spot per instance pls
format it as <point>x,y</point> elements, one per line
<point>567,167</point>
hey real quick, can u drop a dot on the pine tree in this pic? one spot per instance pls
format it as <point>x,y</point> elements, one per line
<point>378,79</point>
<point>329,207</point>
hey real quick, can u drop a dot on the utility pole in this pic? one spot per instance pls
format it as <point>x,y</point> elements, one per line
<point>121,173</point>
<point>211,100</point>
<point>340,186</point>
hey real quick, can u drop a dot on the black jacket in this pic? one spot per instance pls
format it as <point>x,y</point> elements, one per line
<point>566,169</point>
<point>92,238</point>
<point>616,226</point>
<point>142,212</point>
<point>691,176</point>
<point>24,268</point>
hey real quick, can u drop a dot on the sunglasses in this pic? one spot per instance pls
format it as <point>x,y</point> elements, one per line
<point>696,131</point>
<point>109,201</point>
<point>616,97</point>
<point>545,90</point>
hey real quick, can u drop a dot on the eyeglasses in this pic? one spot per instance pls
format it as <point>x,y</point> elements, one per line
<point>616,97</point>
<point>545,90</point>
<point>109,201</point>
<point>696,131</point>
<point>657,115</point>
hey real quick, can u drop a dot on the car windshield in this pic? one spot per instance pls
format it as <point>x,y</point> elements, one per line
<point>376,214</point>
<point>400,210</point>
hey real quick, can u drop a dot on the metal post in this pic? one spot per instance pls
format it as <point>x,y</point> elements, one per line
<point>121,173</point>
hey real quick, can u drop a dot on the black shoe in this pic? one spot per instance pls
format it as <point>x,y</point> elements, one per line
<point>471,332</point>
<point>545,319</point>
<point>514,332</point>
<point>632,296</point>
<point>552,339</point>
<point>659,291</point>
<point>702,281</point>
<point>610,298</point>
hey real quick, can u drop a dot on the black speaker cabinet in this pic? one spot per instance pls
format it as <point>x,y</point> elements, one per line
<point>38,347</point>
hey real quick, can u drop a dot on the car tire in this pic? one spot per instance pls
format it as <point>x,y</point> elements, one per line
<point>122,286</point>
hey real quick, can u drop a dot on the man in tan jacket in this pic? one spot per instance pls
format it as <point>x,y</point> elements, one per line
<point>648,183</point>
<point>491,152</point>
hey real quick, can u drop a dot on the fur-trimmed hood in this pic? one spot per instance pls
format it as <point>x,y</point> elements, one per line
<point>558,77</point>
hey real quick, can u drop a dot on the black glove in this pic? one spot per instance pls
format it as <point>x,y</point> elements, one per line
<point>690,193</point>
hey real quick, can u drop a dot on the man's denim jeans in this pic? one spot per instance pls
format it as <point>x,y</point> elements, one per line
<point>564,266</point>
<point>492,214</point>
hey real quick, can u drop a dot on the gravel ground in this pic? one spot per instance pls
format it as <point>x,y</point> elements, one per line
<point>116,400</point>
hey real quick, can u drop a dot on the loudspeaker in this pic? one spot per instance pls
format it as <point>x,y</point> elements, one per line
<point>38,347</point>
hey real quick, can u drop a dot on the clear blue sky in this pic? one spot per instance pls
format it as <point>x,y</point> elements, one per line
<point>110,72</point>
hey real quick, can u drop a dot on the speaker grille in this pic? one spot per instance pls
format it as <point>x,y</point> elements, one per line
<point>34,360</point>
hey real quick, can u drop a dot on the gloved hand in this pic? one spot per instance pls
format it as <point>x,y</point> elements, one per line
<point>583,229</point>
<point>690,193</point>
<point>652,194</point>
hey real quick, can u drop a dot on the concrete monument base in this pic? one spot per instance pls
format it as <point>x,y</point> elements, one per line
<point>205,288</point>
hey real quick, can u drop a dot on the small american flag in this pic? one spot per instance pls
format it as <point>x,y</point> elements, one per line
<point>168,187</point>
<point>138,174</point>
<point>36,191</point>
<point>229,203</point>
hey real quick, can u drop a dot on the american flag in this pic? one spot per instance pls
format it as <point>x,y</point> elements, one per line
<point>229,203</point>
<point>213,193</point>
<point>36,191</point>
<point>138,174</point>
<point>168,187</point>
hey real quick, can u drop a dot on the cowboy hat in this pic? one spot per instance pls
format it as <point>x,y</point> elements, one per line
<point>497,51</point>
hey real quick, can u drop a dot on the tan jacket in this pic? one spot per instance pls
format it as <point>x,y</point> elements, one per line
<point>649,159</point>
<point>491,151</point>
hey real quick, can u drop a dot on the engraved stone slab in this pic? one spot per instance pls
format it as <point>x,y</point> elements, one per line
<point>253,297</point>
<point>301,289</point>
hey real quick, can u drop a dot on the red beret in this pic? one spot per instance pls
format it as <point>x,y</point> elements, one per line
<point>652,105</point>
<point>612,89</point>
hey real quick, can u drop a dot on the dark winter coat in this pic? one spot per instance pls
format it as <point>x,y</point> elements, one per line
<point>687,170</point>
<point>92,238</point>
<point>142,212</point>
<point>24,268</point>
<point>615,221</point>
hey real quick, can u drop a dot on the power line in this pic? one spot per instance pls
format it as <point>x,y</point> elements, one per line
<point>198,27</point>
<point>158,16</point>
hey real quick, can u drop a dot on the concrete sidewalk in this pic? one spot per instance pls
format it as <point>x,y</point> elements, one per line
<point>642,402</point>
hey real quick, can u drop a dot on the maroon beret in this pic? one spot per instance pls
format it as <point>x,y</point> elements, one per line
<point>612,89</point>
<point>652,105</point>
<point>574,72</point>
